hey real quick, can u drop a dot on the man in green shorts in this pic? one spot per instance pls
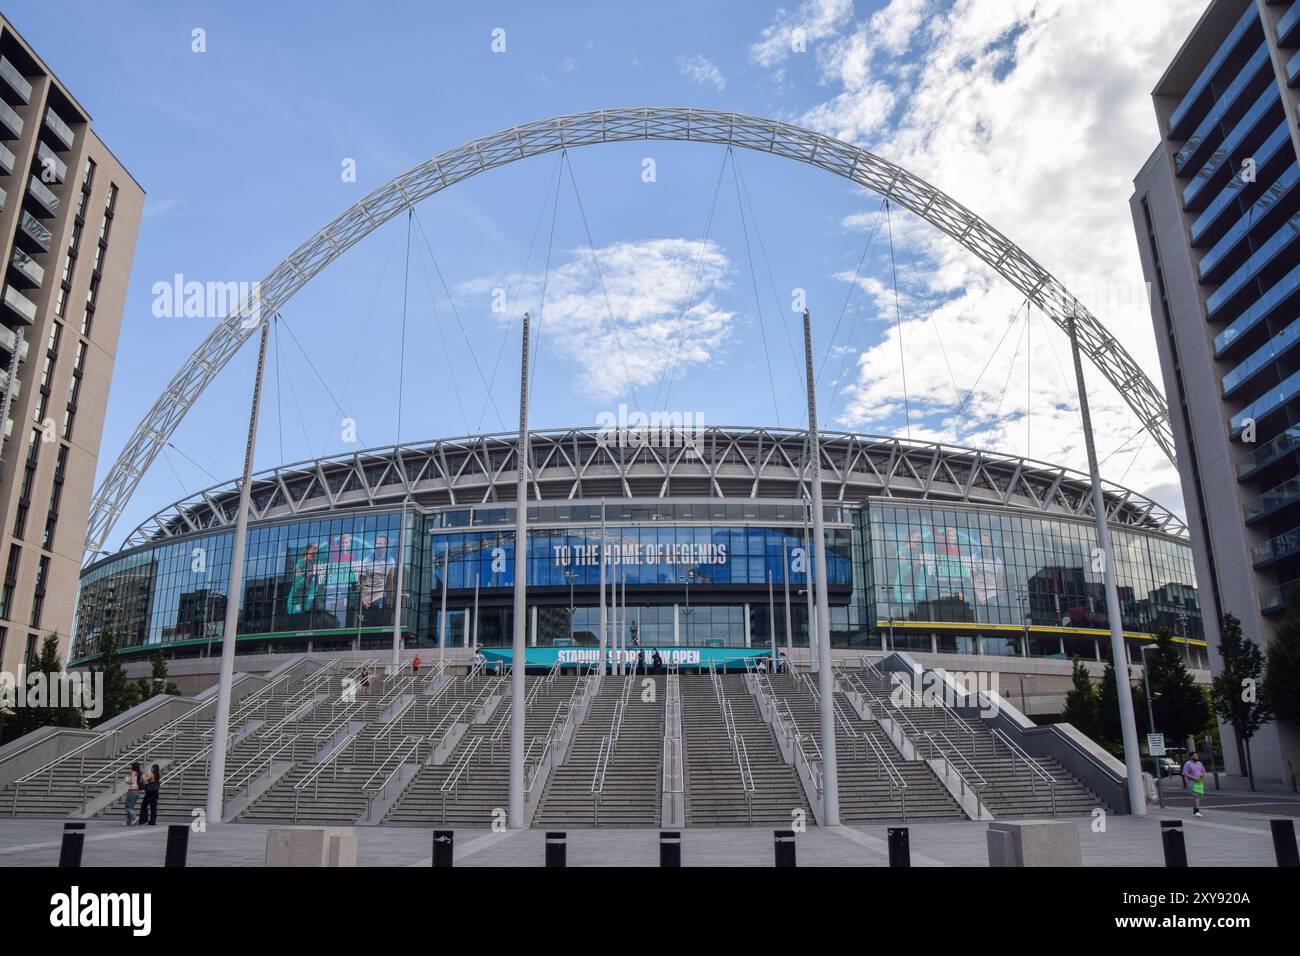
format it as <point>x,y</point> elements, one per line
<point>1194,773</point>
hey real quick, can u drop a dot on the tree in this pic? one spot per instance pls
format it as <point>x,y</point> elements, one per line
<point>28,718</point>
<point>1237,697</point>
<point>1081,702</point>
<point>156,683</point>
<point>1180,707</point>
<point>1108,722</point>
<point>119,694</point>
<point>1282,666</point>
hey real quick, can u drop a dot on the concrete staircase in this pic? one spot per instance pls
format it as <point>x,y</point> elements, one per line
<point>472,787</point>
<point>865,790</point>
<point>1011,788</point>
<point>632,766</point>
<point>715,789</point>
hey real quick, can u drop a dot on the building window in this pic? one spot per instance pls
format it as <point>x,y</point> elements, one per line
<point>11,580</point>
<point>38,601</point>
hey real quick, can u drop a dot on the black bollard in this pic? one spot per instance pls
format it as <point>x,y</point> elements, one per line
<point>74,839</point>
<point>178,844</point>
<point>555,850</point>
<point>1171,835</point>
<point>670,848</point>
<point>444,845</point>
<point>784,845</point>
<point>900,849</point>
<point>1284,846</point>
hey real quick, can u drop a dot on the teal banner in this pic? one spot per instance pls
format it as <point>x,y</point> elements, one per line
<point>688,657</point>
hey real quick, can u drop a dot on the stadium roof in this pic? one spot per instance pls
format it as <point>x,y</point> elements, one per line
<point>583,464</point>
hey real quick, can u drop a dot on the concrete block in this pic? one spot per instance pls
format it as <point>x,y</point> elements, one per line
<point>1002,848</point>
<point>311,846</point>
<point>1035,843</point>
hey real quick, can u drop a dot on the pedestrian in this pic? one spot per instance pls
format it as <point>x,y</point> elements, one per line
<point>415,664</point>
<point>1194,773</point>
<point>782,664</point>
<point>149,806</point>
<point>762,665</point>
<point>365,681</point>
<point>657,661</point>
<point>134,787</point>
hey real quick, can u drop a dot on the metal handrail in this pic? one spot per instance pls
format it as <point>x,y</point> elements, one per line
<point>312,777</point>
<point>138,753</point>
<point>450,718</point>
<point>407,748</point>
<point>389,725</point>
<point>337,721</point>
<point>1036,772</point>
<point>531,773</point>
<point>746,776</point>
<point>459,769</point>
<point>241,777</point>
<point>107,735</point>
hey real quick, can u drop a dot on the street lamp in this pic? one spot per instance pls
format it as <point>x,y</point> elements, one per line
<point>571,576</point>
<point>1151,716</point>
<point>687,575</point>
<point>889,610</point>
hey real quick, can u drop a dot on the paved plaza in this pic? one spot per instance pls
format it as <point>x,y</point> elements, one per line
<point>1220,838</point>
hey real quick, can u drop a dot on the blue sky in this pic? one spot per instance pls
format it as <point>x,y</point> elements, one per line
<point>240,150</point>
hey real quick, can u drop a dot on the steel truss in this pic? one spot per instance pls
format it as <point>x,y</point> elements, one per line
<point>618,125</point>
<point>717,462</point>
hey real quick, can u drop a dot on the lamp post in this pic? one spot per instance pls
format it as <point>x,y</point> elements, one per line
<point>687,574</point>
<point>1023,600</point>
<point>571,576</point>
<point>1151,715</point>
<point>889,611</point>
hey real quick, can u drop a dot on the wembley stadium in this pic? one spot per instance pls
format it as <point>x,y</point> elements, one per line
<point>930,548</point>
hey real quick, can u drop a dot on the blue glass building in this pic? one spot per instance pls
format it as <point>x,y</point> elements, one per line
<point>932,547</point>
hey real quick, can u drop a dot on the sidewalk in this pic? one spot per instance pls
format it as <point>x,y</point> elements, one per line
<point>1220,838</point>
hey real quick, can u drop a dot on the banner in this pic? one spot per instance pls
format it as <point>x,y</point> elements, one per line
<point>547,657</point>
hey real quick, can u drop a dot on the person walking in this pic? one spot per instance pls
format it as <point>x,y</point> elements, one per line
<point>415,664</point>
<point>365,681</point>
<point>152,787</point>
<point>134,787</point>
<point>1194,774</point>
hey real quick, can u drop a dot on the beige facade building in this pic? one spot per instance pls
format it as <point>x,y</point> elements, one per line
<point>69,214</point>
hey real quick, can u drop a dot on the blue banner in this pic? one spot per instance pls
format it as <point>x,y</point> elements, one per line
<point>687,657</point>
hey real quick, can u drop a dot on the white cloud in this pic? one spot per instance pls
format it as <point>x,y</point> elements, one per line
<point>814,20</point>
<point>700,69</point>
<point>649,284</point>
<point>1036,114</point>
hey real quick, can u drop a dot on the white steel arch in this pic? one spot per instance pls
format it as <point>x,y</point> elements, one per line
<point>617,125</point>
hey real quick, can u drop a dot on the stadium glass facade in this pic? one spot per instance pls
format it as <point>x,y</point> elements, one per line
<point>696,572</point>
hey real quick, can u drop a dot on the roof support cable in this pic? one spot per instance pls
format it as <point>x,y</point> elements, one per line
<point>668,375</point>
<point>552,181</point>
<point>898,322</point>
<point>958,415</point>
<point>758,306</point>
<point>473,354</point>
<point>442,340</point>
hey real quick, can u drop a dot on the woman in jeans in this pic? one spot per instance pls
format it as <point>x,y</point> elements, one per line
<point>152,784</point>
<point>134,787</point>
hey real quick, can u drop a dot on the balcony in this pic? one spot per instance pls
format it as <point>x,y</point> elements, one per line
<point>1265,110</point>
<point>1245,83</point>
<point>7,159</point>
<point>50,161</point>
<point>4,383</point>
<point>1275,348</point>
<point>1288,28</point>
<point>1262,308</point>
<point>20,305</point>
<point>44,196</point>
<point>1275,249</point>
<point>15,81</point>
<point>1266,404</point>
<point>1198,88</point>
<point>1269,452</point>
<point>1222,252</point>
<point>1275,549</point>
<point>61,130</point>
<point>1293,70</point>
<point>33,233</point>
<point>1274,499</point>
<point>1276,599</point>
<point>8,339</point>
<point>28,268</point>
<point>11,124</point>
